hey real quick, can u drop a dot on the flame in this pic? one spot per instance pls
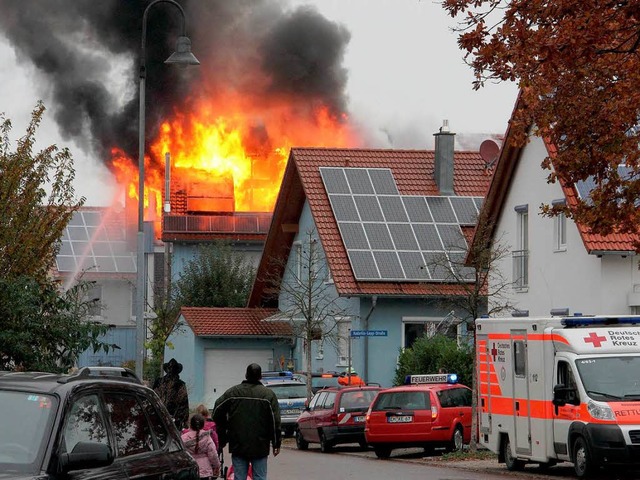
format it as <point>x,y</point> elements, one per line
<point>231,151</point>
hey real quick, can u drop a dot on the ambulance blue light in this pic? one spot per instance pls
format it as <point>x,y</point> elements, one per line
<point>595,321</point>
<point>433,378</point>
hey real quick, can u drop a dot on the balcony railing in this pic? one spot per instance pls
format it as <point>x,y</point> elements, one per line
<point>520,268</point>
<point>245,223</point>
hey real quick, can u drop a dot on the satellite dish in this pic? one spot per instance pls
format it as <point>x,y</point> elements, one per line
<point>489,151</point>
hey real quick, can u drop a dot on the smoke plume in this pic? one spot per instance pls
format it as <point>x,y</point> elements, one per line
<point>87,55</point>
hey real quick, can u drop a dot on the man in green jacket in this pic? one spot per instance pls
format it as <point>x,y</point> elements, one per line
<point>247,417</point>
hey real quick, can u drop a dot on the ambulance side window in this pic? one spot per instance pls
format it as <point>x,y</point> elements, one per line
<point>567,380</point>
<point>520,358</point>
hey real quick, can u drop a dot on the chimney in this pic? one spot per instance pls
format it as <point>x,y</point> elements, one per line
<point>443,171</point>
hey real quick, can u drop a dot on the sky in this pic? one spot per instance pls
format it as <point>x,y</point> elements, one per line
<point>405,75</point>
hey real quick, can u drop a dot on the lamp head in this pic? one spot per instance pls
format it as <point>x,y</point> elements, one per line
<point>183,55</point>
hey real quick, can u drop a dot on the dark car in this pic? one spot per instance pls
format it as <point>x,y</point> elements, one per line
<point>320,380</point>
<point>97,423</point>
<point>335,415</point>
<point>430,411</point>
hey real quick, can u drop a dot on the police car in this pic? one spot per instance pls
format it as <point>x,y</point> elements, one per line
<point>291,394</point>
<point>429,411</point>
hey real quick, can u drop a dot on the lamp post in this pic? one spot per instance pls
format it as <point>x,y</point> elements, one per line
<point>182,56</point>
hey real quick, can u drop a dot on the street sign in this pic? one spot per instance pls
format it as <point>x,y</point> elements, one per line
<point>368,333</point>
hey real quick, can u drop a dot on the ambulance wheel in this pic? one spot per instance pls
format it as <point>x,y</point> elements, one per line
<point>457,440</point>
<point>582,463</point>
<point>382,452</point>
<point>325,445</point>
<point>512,463</point>
<point>301,443</point>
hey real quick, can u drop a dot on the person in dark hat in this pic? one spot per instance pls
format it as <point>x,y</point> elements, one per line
<point>173,393</point>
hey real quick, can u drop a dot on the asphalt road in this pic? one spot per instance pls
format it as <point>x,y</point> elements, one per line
<point>351,462</point>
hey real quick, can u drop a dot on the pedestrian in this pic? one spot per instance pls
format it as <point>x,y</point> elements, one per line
<point>247,417</point>
<point>209,424</point>
<point>199,444</point>
<point>173,393</point>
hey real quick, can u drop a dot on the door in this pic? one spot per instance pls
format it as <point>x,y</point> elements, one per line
<point>484,377</point>
<point>521,408</point>
<point>224,368</point>
<point>564,416</point>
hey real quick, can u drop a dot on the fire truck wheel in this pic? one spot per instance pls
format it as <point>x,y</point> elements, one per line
<point>512,463</point>
<point>582,463</point>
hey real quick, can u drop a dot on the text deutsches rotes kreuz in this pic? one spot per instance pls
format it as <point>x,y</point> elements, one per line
<point>624,338</point>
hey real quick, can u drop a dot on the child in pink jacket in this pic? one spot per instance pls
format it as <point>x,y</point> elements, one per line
<point>199,444</point>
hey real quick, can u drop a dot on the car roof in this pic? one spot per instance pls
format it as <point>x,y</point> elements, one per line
<point>45,382</point>
<point>349,388</point>
<point>424,386</point>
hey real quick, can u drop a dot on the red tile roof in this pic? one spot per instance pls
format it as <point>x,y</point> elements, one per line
<point>234,322</point>
<point>413,171</point>
<point>509,158</point>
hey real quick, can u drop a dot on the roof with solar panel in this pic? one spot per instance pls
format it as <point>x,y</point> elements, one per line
<point>94,241</point>
<point>383,223</point>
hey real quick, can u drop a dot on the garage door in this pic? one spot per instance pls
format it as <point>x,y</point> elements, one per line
<point>225,368</point>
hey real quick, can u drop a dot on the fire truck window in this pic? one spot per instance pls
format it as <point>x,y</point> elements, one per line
<point>519,358</point>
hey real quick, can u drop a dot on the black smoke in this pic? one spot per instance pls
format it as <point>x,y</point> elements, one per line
<point>255,47</point>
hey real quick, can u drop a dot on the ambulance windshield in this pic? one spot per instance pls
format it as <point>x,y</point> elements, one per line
<point>610,378</point>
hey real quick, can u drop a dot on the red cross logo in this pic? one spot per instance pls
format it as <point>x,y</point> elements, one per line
<point>494,352</point>
<point>596,339</point>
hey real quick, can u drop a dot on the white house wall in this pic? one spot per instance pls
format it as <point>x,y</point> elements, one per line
<point>557,279</point>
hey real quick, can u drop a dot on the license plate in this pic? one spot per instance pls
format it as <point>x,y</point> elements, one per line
<point>292,411</point>
<point>358,419</point>
<point>400,419</point>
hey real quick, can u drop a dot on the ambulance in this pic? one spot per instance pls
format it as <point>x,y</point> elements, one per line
<point>559,389</point>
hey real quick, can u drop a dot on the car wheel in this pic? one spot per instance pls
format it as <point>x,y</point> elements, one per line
<point>363,444</point>
<point>301,443</point>
<point>325,445</point>
<point>457,440</point>
<point>382,452</point>
<point>582,462</point>
<point>512,463</point>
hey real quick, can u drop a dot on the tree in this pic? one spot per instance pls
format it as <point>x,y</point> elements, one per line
<point>483,287</point>
<point>216,277</point>
<point>37,201</point>
<point>308,300</point>
<point>577,64</point>
<point>43,329</point>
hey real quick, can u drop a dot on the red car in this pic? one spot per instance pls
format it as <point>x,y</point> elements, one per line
<point>335,415</point>
<point>431,411</point>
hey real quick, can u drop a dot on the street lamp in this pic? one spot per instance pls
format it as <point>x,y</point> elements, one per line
<point>182,56</point>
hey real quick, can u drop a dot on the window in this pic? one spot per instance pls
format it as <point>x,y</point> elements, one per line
<point>130,427</point>
<point>403,400</point>
<point>520,357</point>
<point>560,233</point>
<point>296,255</point>
<point>415,327</point>
<point>344,337</point>
<point>94,295</point>
<point>330,400</point>
<point>454,397</point>
<point>318,400</point>
<point>157,425</point>
<point>85,424</point>
<point>521,255</point>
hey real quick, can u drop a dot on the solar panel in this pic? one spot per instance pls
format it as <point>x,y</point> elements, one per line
<point>428,237</point>
<point>383,181</point>
<point>391,237</point>
<point>368,208</point>
<point>441,209</point>
<point>452,237</point>
<point>403,236</point>
<point>334,180</point>
<point>388,265</point>
<point>417,209</point>
<point>465,210</point>
<point>344,208</point>
<point>353,236</point>
<point>95,240</point>
<point>359,181</point>
<point>363,264</point>
<point>378,235</point>
<point>393,209</point>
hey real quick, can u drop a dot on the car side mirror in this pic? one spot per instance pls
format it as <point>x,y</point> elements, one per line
<point>86,455</point>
